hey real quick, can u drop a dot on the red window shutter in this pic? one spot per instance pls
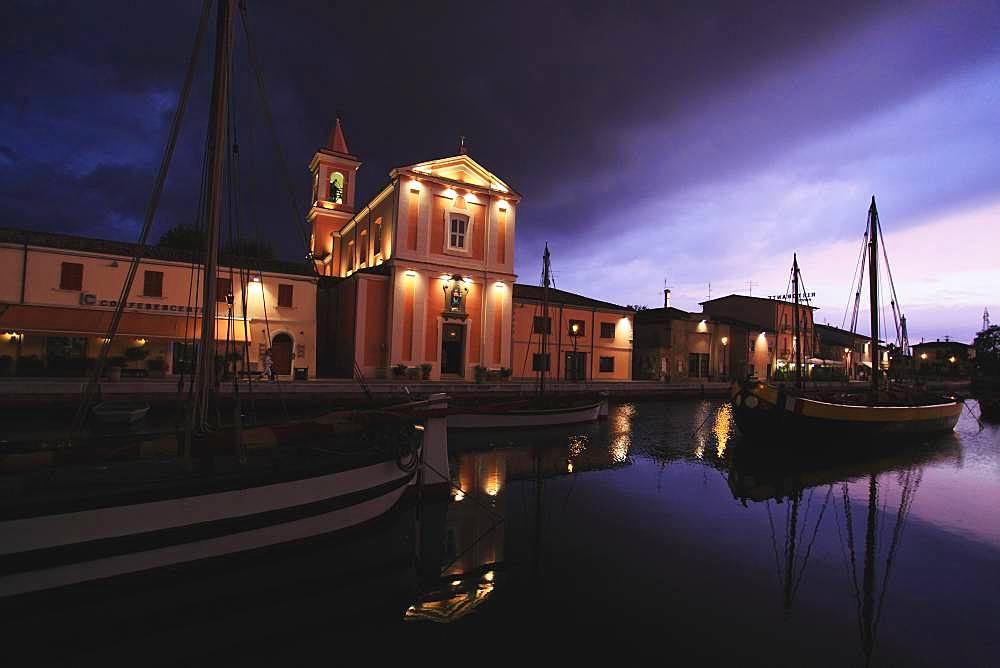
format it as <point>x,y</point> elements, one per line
<point>284,294</point>
<point>71,276</point>
<point>224,286</point>
<point>152,284</point>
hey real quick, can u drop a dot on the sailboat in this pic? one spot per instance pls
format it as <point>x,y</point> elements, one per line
<point>88,510</point>
<point>776,413</point>
<point>540,410</point>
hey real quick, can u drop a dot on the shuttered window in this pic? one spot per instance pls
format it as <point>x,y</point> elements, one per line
<point>71,276</point>
<point>152,284</point>
<point>284,294</point>
<point>223,287</point>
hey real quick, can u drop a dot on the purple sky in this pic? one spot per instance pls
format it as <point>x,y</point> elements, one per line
<point>695,144</point>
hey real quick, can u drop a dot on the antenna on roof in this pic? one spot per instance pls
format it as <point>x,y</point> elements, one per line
<point>750,285</point>
<point>461,145</point>
<point>710,291</point>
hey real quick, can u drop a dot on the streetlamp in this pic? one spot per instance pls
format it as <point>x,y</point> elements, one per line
<point>575,328</point>
<point>725,357</point>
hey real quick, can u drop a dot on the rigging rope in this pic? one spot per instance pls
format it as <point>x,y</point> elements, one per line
<point>154,201</point>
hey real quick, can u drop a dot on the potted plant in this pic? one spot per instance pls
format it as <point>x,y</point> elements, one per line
<point>115,365</point>
<point>399,370</point>
<point>413,372</point>
<point>505,373</point>
<point>425,370</point>
<point>157,367</point>
<point>480,373</point>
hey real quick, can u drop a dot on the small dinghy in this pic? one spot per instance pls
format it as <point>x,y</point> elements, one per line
<point>121,412</point>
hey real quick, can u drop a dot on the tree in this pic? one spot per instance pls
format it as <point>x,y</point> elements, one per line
<point>183,237</point>
<point>987,345</point>
<point>190,238</point>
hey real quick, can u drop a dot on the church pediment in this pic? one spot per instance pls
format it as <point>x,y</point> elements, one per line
<point>460,168</point>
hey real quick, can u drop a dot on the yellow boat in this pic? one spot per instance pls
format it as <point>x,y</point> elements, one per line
<point>767,411</point>
<point>777,412</point>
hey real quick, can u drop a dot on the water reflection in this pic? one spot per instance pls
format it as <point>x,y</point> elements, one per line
<point>483,465</point>
<point>817,489</point>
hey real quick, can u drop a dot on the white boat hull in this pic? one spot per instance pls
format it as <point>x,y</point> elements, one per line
<point>60,549</point>
<point>526,418</point>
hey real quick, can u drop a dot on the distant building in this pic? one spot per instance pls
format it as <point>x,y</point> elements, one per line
<point>943,358</point>
<point>844,350</point>
<point>675,345</point>
<point>421,274</point>
<point>762,329</point>
<point>588,339</point>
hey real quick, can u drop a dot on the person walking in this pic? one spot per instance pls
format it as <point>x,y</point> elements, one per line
<point>268,365</point>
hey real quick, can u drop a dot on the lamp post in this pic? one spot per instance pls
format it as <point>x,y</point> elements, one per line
<point>725,357</point>
<point>575,328</point>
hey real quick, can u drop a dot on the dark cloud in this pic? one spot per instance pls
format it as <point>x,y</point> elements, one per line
<point>584,107</point>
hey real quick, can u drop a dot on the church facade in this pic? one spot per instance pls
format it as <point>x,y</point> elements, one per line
<point>418,281</point>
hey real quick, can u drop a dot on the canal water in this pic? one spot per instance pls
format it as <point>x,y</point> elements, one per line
<point>657,533</point>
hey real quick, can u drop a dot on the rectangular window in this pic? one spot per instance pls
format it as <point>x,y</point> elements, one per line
<point>152,284</point>
<point>541,325</point>
<point>284,294</point>
<point>540,362</point>
<point>607,364</point>
<point>71,276</point>
<point>457,232</point>
<point>223,288</point>
<point>577,328</point>
<point>377,237</point>
<point>607,330</point>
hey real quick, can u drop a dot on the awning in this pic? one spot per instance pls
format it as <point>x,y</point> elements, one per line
<point>819,361</point>
<point>867,364</point>
<point>32,319</point>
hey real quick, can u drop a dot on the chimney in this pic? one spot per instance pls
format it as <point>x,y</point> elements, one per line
<point>666,297</point>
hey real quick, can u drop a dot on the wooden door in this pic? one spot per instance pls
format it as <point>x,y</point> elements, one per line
<point>281,353</point>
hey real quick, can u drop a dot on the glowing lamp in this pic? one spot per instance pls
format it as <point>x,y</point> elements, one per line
<point>255,279</point>
<point>411,273</point>
<point>467,280</point>
<point>952,359</point>
<point>923,356</point>
<point>500,285</point>
<point>725,340</point>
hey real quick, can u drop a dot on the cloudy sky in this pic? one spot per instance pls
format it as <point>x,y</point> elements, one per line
<point>697,143</point>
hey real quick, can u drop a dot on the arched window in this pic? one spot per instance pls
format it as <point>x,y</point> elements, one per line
<point>336,188</point>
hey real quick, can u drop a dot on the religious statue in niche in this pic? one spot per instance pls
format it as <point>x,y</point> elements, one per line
<point>455,291</point>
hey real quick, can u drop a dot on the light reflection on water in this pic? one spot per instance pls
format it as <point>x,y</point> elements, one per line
<point>575,497</point>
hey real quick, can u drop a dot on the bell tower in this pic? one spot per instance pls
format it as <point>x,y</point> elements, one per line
<point>334,170</point>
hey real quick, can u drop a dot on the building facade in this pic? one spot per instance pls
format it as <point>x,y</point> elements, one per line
<point>844,351</point>
<point>587,339</point>
<point>943,358</point>
<point>58,294</point>
<point>420,277</point>
<point>673,345</point>
<point>762,333</point>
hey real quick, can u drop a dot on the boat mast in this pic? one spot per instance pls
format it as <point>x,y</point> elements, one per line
<point>796,334</point>
<point>546,280</point>
<point>218,112</point>
<point>873,290</point>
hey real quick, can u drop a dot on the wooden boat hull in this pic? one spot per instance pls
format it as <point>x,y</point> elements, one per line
<point>121,412</point>
<point>91,539</point>
<point>762,413</point>
<point>524,418</point>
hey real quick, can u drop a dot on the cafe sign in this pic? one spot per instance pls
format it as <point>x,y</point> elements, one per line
<point>90,299</point>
